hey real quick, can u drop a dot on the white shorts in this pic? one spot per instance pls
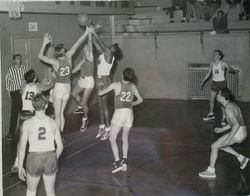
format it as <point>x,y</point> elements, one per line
<point>241,134</point>
<point>61,91</point>
<point>87,82</point>
<point>123,117</point>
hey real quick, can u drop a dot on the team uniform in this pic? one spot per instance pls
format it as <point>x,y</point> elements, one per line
<point>123,114</point>
<point>86,79</point>
<point>241,134</point>
<point>28,94</point>
<point>218,73</point>
<point>103,72</point>
<point>42,156</point>
<point>62,80</point>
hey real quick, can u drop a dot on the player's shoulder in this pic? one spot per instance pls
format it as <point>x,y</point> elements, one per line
<point>29,122</point>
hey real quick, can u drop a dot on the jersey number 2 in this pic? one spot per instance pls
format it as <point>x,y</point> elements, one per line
<point>42,132</point>
<point>125,97</point>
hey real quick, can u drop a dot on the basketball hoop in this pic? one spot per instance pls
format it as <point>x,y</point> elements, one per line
<point>15,8</point>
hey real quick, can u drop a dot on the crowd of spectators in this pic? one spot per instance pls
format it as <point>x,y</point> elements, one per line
<point>206,10</point>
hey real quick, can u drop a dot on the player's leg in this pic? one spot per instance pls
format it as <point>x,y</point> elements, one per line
<point>125,146</point>
<point>114,131</point>
<point>62,118</point>
<point>58,108</point>
<point>32,183</point>
<point>101,117</point>
<point>211,115</point>
<point>84,103</point>
<point>49,183</point>
<point>215,147</point>
<point>106,133</point>
<point>75,94</point>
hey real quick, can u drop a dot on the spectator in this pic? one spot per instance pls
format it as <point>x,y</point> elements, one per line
<point>14,81</point>
<point>238,5</point>
<point>246,7</point>
<point>220,23</point>
<point>178,5</point>
<point>212,6</point>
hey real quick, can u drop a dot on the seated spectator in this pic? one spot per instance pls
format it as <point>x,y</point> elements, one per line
<point>191,11</point>
<point>237,4</point>
<point>201,7</point>
<point>246,7</point>
<point>212,7</point>
<point>220,23</point>
<point>178,5</point>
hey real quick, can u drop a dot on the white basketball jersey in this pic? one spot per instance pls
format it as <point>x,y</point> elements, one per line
<point>104,68</point>
<point>218,73</point>
<point>28,95</point>
<point>41,137</point>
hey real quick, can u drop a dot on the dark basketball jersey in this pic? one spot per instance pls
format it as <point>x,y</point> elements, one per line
<point>64,72</point>
<point>87,69</point>
<point>126,96</point>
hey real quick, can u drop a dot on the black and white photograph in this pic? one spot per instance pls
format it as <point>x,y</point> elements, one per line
<point>125,97</point>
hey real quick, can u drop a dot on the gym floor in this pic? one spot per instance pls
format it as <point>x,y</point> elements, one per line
<point>169,146</point>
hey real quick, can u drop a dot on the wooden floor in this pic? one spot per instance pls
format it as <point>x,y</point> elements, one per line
<point>169,146</point>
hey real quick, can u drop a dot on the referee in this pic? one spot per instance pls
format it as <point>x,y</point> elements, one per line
<point>14,81</point>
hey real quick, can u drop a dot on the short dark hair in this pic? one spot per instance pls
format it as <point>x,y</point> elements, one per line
<point>39,102</point>
<point>58,50</point>
<point>220,53</point>
<point>117,51</point>
<point>129,74</point>
<point>30,75</point>
<point>16,55</point>
<point>227,94</point>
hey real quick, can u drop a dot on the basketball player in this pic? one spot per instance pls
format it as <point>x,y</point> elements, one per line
<point>61,64</point>
<point>123,115</point>
<point>43,133</point>
<point>85,83</point>
<point>237,134</point>
<point>217,70</point>
<point>105,63</point>
<point>28,91</point>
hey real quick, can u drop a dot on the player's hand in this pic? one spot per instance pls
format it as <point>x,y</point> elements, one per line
<point>47,38</point>
<point>90,29</point>
<point>22,174</point>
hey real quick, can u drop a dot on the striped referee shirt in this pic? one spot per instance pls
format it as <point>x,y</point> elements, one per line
<point>15,77</point>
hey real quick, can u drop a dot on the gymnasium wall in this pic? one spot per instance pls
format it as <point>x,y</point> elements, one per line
<point>161,61</point>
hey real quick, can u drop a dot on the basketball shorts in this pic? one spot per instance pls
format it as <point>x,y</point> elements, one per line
<point>61,91</point>
<point>103,82</point>
<point>123,117</point>
<point>241,134</point>
<point>86,82</point>
<point>217,86</point>
<point>39,163</point>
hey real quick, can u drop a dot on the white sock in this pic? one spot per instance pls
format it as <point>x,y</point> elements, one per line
<point>107,129</point>
<point>210,169</point>
<point>102,126</point>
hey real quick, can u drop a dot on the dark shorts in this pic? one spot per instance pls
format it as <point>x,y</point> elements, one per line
<point>39,163</point>
<point>217,86</point>
<point>26,114</point>
<point>103,82</point>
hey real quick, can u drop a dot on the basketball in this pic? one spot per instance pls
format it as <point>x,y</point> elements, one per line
<point>83,19</point>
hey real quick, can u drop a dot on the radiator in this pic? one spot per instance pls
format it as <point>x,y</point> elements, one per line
<point>197,72</point>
